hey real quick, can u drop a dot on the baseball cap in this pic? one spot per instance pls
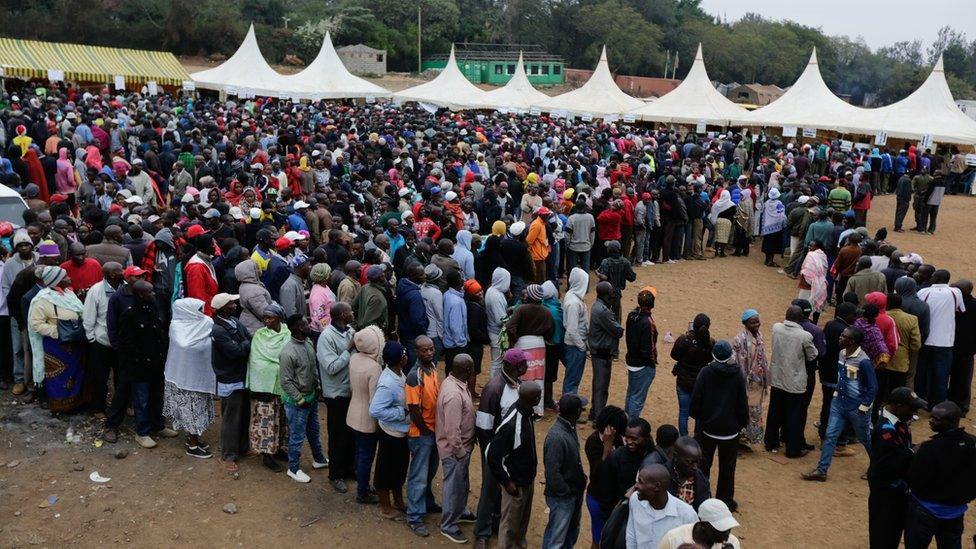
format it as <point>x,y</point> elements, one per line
<point>132,270</point>
<point>194,231</point>
<point>133,200</point>
<point>543,211</point>
<point>211,213</point>
<point>904,395</point>
<point>716,512</point>
<point>295,235</point>
<point>220,300</point>
<point>300,204</point>
<point>282,243</point>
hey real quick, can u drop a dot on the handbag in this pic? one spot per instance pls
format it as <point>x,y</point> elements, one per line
<point>70,331</point>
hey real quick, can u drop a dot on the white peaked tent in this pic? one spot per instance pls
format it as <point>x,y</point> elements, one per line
<point>449,89</point>
<point>599,96</point>
<point>694,100</point>
<point>929,110</point>
<point>809,103</point>
<point>517,95</point>
<point>327,78</point>
<point>246,72</point>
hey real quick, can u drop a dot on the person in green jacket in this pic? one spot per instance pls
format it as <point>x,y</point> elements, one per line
<point>370,304</point>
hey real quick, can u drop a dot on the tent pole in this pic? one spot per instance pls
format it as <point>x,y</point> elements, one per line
<point>418,40</point>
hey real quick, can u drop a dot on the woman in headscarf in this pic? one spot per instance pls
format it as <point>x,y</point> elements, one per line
<point>813,278</point>
<point>190,378</point>
<point>57,339</point>
<point>873,343</point>
<point>235,193</point>
<point>885,323</point>
<point>772,226</point>
<point>65,177</point>
<point>305,176</point>
<point>743,223</point>
<point>750,354</point>
<point>269,427</point>
<point>528,329</point>
<point>320,300</point>
<point>35,173</point>
<point>490,258</point>
<point>554,344</point>
<point>723,211</point>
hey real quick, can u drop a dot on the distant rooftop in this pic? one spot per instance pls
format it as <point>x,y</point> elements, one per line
<point>479,51</point>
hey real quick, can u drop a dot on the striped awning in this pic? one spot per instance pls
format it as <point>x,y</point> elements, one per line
<point>76,62</point>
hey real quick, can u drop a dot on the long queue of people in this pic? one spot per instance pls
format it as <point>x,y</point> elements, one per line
<point>278,256</point>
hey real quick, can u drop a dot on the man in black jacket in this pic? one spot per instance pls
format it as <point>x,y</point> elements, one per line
<point>618,471</point>
<point>891,457</point>
<point>565,479</point>
<point>721,409</point>
<point>692,351</point>
<point>231,346</point>
<point>688,483</point>
<point>641,357</point>
<point>844,316</point>
<point>513,462</point>
<point>942,482</point>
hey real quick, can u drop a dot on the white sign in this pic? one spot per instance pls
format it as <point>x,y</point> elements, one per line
<point>971,159</point>
<point>535,111</point>
<point>700,128</point>
<point>846,145</point>
<point>810,132</point>
<point>119,82</point>
<point>296,99</point>
<point>610,119</point>
<point>926,141</point>
<point>881,138</point>
<point>230,90</point>
<point>862,147</point>
<point>586,117</point>
<point>55,75</point>
<point>629,118</point>
<point>789,131</point>
<point>189,85</point>
<point>152,88</point>
<point>370,100</point>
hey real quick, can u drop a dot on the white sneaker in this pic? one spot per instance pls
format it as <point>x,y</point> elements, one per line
<point>647,263</point>
<point>317,465</point>
<point>299,476</point>
<point>146,442</point>
<point>670,262</point>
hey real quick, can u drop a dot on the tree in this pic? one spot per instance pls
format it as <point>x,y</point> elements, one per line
<point>632,40</point>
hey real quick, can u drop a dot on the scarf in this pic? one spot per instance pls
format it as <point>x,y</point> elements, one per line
<point>62,299</point>
<point>262,364</point>
<point>724,203</point>
<point>774,217</point>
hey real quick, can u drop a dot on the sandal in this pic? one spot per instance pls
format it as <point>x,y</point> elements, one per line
<point>230,466</point>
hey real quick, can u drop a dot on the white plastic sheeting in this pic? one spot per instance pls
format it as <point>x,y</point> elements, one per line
<point>450,89</point>
<point>246,73</point>
<point>327,78</point>
<point>598,97</point>
<point>518,95</point>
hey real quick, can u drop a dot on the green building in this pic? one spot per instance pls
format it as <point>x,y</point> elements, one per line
<point>495,63</point>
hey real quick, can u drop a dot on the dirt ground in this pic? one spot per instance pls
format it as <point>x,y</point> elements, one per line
<point>162,497</point>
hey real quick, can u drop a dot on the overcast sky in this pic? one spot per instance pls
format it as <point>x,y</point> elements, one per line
<point>879,26</point>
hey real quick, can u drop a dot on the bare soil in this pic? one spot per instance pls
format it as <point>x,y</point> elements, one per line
<point>161,497</point>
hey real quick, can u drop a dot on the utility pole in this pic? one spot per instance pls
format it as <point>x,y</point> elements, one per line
<point>286,19</point>
<point>667,63</point>
<point>419,58</point>
<point>675,68</point>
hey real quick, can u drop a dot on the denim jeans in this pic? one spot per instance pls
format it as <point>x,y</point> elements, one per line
<point>365,453</point>
<point>840,418</point>
<point>438,348</point>
<point>17,348</point>
<point>922,526</point>
<point>638,383</point>
<point>423,469</point>
<point>684,404</point>
<point>303,423</point>
<point>575,360</point>
<point>564,522</point>
<point>581,259</point>
<point>147,406</point>
<point>932,377</point>
<point>640,246</point>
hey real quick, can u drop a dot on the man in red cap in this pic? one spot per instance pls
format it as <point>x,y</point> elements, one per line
<point>538,243</point>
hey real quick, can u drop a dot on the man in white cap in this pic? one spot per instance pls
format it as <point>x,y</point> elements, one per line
<point>142,184</point>
<point>231,347</point>
<point>296,221</point>
<point>713,529</point>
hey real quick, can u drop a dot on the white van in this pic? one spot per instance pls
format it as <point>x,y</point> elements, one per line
<point>12,206</point>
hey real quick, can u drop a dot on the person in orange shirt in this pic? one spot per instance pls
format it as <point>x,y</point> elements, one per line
<point>538,243</point>
<point>421,390</point>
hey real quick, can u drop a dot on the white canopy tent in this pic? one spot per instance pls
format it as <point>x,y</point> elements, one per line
<point>247,73</point>
<point>518,95</point>
<point>451,89</point>
<point>693,101</point>
<point>929,110</point>
<point>327,78</point>
<point>809,103</point>
<point>599,96</point>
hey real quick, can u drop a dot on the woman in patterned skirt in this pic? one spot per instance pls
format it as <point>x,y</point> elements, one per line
<point>269,428</point>
<point>190,378</point>
<point>750,353</point>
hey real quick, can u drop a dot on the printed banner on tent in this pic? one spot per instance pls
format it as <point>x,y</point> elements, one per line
<point>846,145</point>
<point>700,127</point>
<point>611,118</point>
<point>152,88</point>
<point>535,111</point>
<point>862,147</point>
<point>231,90</point>
<point>586,117</point>
<point>119,82</point>
<point>789,131</point>
<point>189,85</point>
<point>971,159</point>
<point>428,107</point>
<point>927,141</point>
<point>370,99</point>
<point>881,138</point>
<point>55,75</point>
<point>629,118</point>
<point>810,132</point>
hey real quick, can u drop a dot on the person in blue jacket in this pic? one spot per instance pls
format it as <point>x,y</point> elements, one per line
<point>410,310</point>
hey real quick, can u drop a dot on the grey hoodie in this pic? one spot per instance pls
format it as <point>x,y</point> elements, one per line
<point>254,296</point>
<point>911,304</point>
<point>496,305</point>
<point>463,255</point>
<point>575,316</point>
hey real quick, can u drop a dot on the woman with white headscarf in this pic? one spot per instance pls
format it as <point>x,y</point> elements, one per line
<point>190,378</point>
<point>723,210</point>
<point>772,226</point>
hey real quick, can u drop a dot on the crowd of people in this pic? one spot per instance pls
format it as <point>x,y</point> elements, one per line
<point>278,256</point>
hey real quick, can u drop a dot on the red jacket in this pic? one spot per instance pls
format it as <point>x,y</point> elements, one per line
<point>201,282</point>
<point>628,212</point>
<point>608,224</point>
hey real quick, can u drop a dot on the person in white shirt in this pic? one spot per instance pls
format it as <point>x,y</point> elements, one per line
<point>653,511</point>
<point>713,529</point>
<point>935,361</point>
<point>95,320</point>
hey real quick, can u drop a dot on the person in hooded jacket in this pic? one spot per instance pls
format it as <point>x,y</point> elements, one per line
<point>496,308</point>
<point>463,255</point>
<point>576,325</point>
<point>254,297</point>
<point>692,351</point>
<point>913,305</point>
<point>478,336</point>
<point>720,407</point>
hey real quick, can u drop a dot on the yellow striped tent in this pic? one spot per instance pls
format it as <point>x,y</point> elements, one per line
<point>80,63</point>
